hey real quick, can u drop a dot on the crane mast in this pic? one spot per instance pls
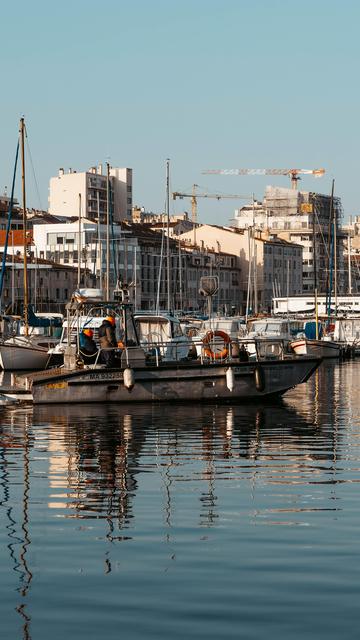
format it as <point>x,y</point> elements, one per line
<point>194,195</point>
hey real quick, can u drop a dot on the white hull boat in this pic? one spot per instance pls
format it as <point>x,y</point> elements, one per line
<point>317,348</point>
<point>22,354</point>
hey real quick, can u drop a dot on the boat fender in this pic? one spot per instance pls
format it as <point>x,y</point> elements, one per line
<point>230,379</point>
<point>259,376</point>
<point>129,379</point>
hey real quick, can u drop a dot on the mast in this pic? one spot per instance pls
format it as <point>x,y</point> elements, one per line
<point>26,292</point>
<point>335,258</point>
<point>107,231</point>
<point>99,256</point>
<point>331,253</point>
<point>168,234</point>
<point>79,246</point>
<point>315,275</point>
<point>349,264</point>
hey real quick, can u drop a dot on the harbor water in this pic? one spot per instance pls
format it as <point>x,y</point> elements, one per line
<point>184,521</point>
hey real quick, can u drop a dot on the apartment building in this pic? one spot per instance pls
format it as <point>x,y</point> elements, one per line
<point>65,243</point>
<point>267,266</point>
<point>303,218</point>
<point>95,192</point>
<point>50,285</point>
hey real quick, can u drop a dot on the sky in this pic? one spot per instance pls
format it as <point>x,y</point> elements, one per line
<point>205,83</point>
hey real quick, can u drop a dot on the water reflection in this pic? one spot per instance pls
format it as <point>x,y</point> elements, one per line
<point>17,516</point>
<point>151,470</point>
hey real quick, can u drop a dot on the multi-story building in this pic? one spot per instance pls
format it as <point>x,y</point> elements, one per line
<point>62,243</point>
<point>50,285</point>
<point>267,266</point>
<point>96,192</point>
<point>303,218</point>
<point>16,215</point>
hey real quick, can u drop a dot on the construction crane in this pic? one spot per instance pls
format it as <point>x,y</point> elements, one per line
<point>293,173</point>
<point>194,196</point>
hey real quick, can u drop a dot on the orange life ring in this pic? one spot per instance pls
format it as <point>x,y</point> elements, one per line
<point>216,355</point>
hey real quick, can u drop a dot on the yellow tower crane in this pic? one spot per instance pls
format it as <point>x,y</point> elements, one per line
<point>194,196</point>
<point>292,173</point>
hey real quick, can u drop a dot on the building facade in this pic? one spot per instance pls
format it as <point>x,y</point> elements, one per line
<point>303,218</point>
<point>95,193</point>
<point>266,266</point>
<point>50,285</point>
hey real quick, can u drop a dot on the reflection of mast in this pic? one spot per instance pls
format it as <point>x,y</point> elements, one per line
<point>208,499</point>
<point>20,563</point>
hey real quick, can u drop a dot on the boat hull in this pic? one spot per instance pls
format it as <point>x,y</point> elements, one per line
<point>230,382</point>
<point>15,357</point>
<point>316,348</point>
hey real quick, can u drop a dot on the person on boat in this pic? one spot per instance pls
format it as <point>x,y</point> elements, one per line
<point>108,341</point>
<point>87,344</point>
<point>243,354</point>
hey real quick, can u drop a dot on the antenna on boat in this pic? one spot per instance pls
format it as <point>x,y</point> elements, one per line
<point>209,286</point>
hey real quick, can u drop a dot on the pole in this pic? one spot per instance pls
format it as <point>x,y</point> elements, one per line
<point>26,293</point>
<point>249,275</point>
<point>79,246</point>
<point>255,279</point>
<point>135,275</point>
<point>194,211</point>
<point>315,276</point>
<point>349,264</point>
<point>180,277</point>
<point>335,260</point>
<point>168,234</point>
<point>107,231</point>
<point>99,253</point>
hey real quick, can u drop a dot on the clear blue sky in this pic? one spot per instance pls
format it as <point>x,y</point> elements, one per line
<point>209,84</point>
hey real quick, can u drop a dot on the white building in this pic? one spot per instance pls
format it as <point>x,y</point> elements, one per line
<point>60,242</point>
<point>91,185</point>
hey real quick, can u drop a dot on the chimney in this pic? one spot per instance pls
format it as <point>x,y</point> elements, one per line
<point>61,171</point>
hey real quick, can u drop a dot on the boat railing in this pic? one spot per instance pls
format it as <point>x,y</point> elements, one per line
<point>168,351</point>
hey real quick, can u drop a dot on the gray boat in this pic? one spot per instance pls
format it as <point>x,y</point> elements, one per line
<point>140,374</point>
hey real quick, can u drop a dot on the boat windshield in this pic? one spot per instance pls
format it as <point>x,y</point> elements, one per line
<point>153,330</point>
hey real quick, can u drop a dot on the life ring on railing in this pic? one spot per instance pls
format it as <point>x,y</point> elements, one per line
<point>216,355</point>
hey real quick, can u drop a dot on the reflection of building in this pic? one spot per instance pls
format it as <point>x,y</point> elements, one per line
<point>93,465</point>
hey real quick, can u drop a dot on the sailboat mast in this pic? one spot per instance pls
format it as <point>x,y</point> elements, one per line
<point>168,234</point>
<point>26,292</point>
<point>315,273</point>
<point>107,231</point>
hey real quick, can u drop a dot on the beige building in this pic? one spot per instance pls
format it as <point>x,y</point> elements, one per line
<point>268,267</point>
<point>92,187</point>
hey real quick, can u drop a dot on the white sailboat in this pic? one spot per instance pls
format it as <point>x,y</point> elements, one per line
<point>29,350</point>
